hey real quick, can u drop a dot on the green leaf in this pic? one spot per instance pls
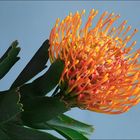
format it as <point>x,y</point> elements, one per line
<point>49,80</point>
<point>9,59</point>
<point>42,85</point>
<point>3,136</point>
<point>17,132</point>
<point>67,122</point>
<point>68,133</point>
<point>42,125</point>
<point>66,126</point>
<point>42,109</point>
<point>36,65</point>
<point>9,105</point>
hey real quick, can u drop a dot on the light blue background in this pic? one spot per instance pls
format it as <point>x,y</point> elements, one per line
<point>31,23</point>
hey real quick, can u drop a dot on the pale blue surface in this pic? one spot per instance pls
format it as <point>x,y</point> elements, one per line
<point>31,22</point>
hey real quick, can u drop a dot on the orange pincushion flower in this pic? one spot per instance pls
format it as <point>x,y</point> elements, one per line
<point>101,73</point>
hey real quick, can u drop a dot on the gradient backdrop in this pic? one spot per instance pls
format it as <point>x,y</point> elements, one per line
<point>31,23</point>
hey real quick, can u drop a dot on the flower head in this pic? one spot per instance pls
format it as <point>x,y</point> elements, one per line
<point>101,72</point>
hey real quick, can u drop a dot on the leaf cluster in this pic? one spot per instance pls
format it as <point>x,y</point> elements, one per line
<point>27,109</point>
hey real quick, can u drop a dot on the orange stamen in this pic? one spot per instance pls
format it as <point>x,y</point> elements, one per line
<point>101,73</point>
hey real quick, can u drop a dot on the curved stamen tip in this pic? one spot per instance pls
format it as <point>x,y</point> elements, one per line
<point>83,12</point>
<point>77,12</point>
<point>129,27</point>
<point>125,21</point>
<point>106,12</point>
<point>118,16</point>
<point>96,12</point>
<point>57,20</point>
<point>92,11</point>
<point>134,43</point>
<point>136,30</point>
<point>112,13</point>
<point>70,14</point>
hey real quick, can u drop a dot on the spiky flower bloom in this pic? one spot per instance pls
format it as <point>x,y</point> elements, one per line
<point>101,74</point>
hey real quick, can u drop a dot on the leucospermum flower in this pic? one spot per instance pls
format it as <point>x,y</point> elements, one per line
<point>101,72</point>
